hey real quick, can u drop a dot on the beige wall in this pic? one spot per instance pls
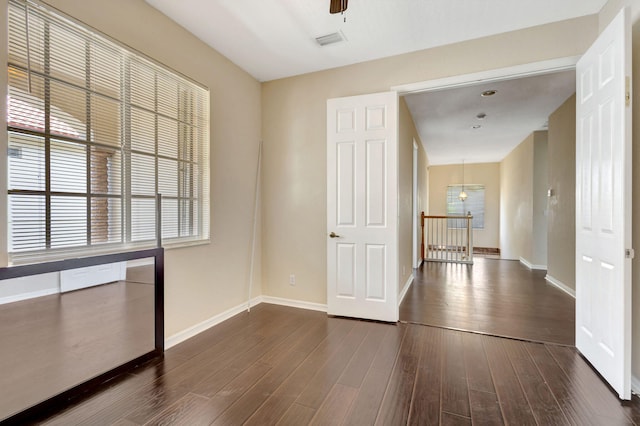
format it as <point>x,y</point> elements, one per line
<point>516,202</point>
<point>523,185</point>
<point>406,135</point>
<point>294,133</point>
<point>611,9</point>
<point>202,281</point>
<point>487,174</point>
<point>540,185</point>
<point>561,219</point>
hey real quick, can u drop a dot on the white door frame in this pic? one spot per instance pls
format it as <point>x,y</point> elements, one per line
<point>494,75</point>
<point>498,74</point>
<point>416,226</point>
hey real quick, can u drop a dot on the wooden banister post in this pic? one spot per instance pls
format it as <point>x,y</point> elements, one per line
<point>469,236</point>
<point>422,235</point>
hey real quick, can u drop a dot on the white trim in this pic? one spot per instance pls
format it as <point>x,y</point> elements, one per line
<point>30,295</point>
<point>415,213</point>
<point>204,325</point>
<point>41,256</point>
<point>499,74</point>
<point>635,385</point>
<point>405,289</point>
<point>295,303</point>
<point>553,281</point>
<point>530,265</point>
<point>185,244</point>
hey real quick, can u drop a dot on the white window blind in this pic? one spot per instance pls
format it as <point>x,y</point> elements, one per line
<point>95,131</point>
<point>474,204</point>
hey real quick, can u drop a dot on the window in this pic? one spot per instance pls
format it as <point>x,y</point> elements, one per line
<point>95,131</point>
<point>474,203</point>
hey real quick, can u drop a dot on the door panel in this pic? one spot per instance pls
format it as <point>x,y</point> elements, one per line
<point>362,181</point>
<point>376,183</point>
<point>346,183</point>
<point>375,279</point>
<point>346,273</point>
<point>603,206</point>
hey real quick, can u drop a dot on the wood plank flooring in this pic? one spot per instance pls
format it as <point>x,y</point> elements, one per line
<point>492,296</point>
<point>286,366</point>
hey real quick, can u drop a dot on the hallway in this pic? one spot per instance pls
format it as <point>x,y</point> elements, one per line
<point>496,297</point>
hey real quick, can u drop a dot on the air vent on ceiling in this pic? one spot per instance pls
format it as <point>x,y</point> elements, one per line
<point>332,38</point>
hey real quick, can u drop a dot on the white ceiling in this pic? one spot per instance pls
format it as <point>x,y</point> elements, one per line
<point>444,119</point>
<point>273,39</point>
<point>276,38</point>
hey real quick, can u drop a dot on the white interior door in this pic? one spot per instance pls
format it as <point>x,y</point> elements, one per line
<point>362,206</point>
<point>603,205</point>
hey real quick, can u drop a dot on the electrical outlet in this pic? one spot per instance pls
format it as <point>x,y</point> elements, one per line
<point>292,279</point>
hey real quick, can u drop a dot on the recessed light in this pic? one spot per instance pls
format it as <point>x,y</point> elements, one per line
<point>481,116</point>
<point>488,93</point>
<point>476,126</point>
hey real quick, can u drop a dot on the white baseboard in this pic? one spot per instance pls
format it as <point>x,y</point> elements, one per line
<point>571,292</point>
<point>204,325</point>
<point>405,289</point>
<point>30,295</point>
<point>530,265</point>
<point>635,385</point>
<point>295,303</point>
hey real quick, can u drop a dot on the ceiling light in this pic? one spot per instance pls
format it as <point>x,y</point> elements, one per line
<point>481,116</point>
<point>463,195</point>
<point>488,93</point>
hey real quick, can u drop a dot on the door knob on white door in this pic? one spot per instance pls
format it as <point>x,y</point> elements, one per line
<point>334,235</point>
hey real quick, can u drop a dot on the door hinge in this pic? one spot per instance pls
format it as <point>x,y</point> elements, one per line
<point>627,95</point>
<point>629,253</point>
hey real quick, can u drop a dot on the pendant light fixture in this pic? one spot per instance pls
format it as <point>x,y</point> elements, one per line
<point>463,195</point>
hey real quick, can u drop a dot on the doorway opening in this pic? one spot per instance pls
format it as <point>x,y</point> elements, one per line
<point>508,295</point>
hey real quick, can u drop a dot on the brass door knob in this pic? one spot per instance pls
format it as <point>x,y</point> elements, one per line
<point>334,235</point>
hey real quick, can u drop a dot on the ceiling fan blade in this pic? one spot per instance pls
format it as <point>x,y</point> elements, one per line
<point>338,6</point>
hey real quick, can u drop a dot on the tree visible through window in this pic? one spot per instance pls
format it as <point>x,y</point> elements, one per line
<point>95,131</point>
<point>474,203</point>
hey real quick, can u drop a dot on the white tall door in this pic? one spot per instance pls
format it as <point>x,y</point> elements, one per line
<point>362,206</point>
<point>603,205</point>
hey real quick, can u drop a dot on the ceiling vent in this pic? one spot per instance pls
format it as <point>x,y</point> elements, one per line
<point>332,38</point>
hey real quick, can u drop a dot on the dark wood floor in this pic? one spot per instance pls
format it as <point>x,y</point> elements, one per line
<point>492,296</point>
<point>52,343</point>
<point>286,366</point>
